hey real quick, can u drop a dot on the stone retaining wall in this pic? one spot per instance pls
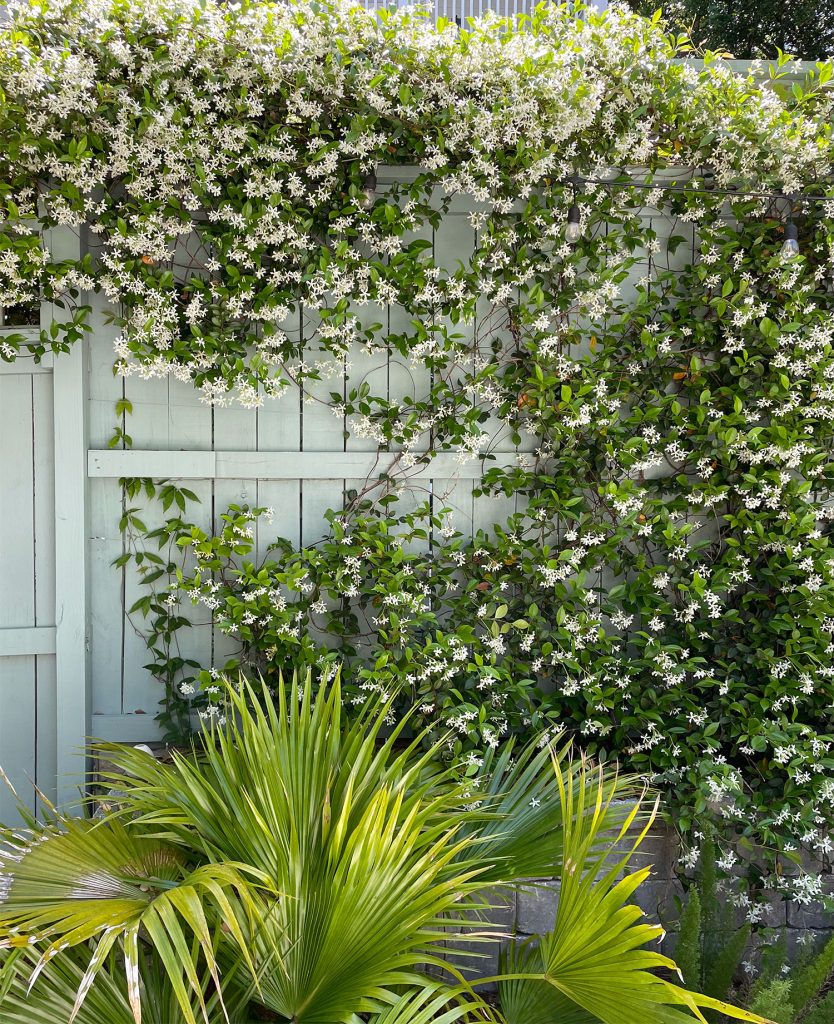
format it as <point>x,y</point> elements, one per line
<point>532,910</point>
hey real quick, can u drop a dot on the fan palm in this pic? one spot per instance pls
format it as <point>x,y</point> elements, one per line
<point>325,863</point>
<point>594,966</point>
<point>76,880</point>
<point>54,996</point>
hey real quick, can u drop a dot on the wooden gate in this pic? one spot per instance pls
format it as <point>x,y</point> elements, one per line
<point>43,674</point>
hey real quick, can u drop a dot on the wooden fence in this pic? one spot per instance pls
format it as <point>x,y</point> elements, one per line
<point>71,657</point>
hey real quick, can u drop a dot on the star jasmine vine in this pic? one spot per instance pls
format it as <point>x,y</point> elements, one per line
<point>662,586</point>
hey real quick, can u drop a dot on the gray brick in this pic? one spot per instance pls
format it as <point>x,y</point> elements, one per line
<point>810,915</point>
<point>501,909</point>
<point>533,910</point>
<point>654,897</point>
<point>776,914</point>
<point>479,958</point>
<point>474,959</point>
<point>801,940</point>
<point>537,908</point>
<point>668,944</point>
<point>660,851</point>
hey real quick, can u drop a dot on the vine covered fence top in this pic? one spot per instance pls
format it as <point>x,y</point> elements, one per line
<point>664,584</point>
<point>255,129</point>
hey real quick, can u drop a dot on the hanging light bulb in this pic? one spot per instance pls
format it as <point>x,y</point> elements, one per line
<point>369,190</point>
<point>790,247</point>
<point>573,232</point>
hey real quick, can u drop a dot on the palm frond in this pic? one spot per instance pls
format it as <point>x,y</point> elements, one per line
<point>526,997</point>
<point>431,1003</point>
<point>595,958</point>
<point>78,880</point>
<point>320,865</point>
<point>362,840</point>
<point>51,999</point>
<point>520,824</point>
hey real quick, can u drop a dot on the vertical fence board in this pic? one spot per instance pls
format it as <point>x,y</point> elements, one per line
<point>17,601</point>
<point>71,574</point>
<point>454,240</point>
<point>17,733</point>
<point>107,582</point>
<point>17,537</point>
<point>321,431</point>
<point>235,429</point>
<point>279,430</point>
<point>46,712</point>
<point>72,670</point>
<point>409,381</point>
<point>107,621</point>
<point>46,766</point>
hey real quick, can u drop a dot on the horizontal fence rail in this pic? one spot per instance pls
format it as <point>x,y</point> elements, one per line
<point>27,641</point>
<point>286,465</point>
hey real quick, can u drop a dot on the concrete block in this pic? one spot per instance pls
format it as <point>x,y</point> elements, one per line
<point>656,898</point>
<point>478,958</point>
<point>652,897</point>
<point>776,913</point>
<point>801,941</point>
<point>474,959</point>
<point>809,915</point>
<point>660,851</point>
<point>668,944</point>
<point>537,908</point>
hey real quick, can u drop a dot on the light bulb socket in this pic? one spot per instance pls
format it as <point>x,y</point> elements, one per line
<point>574,216</point>
<point>791,232</point>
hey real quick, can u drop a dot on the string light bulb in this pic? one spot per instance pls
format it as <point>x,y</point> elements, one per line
<point>369,189</point>
<point>790,247</point>
<point>573,232</point>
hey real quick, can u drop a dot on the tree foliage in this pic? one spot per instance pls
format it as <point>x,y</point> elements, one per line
<point>750,29</point>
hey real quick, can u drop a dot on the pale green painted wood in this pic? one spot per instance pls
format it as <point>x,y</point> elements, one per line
<point>17,734</point>
<point>27,640</point>
<point>43,432</point>
<point>27,606</point>
<point>106,582</point>
<point>72,671</point>
<point>17,596</point>
<point>236,467</point>
<point>17,537</point>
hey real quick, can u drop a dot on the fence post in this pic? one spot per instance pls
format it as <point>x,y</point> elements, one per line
<point>71,575</point>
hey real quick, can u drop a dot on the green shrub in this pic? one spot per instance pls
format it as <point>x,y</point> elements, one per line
<point>800,996</point>
<point>688,948</point>
<point>710,950</point>
<point>710,946</point>
<point>809,979</point>
<point>774,1002</point>
<point>821,1012</point>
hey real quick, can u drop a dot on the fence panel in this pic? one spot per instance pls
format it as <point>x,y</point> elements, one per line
<point>27,598</point>
<point>291,455</point>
